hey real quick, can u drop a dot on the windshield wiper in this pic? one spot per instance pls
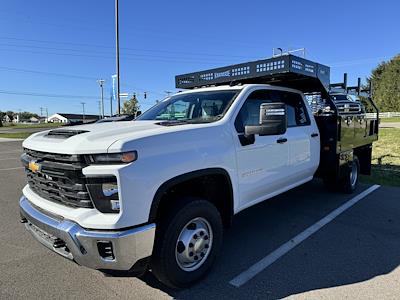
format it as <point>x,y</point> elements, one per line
<point>189,121</point>
<point>172,122</point>
<point>209,120</point>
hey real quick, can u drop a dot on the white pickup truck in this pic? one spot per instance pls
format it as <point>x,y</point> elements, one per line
<point>158,192</point>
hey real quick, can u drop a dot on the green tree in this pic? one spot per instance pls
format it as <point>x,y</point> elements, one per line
<point>27,115</point>
<point>131,106</point>
<point>385,80</point>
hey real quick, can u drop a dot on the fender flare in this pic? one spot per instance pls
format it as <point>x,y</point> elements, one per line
<point>182,178</point>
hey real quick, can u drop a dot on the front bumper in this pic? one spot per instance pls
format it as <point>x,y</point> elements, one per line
<point>72,241</point>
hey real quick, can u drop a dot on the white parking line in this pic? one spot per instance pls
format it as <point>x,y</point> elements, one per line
<point>9,169</point>
<point>8,152</point>
<point>259,266</point>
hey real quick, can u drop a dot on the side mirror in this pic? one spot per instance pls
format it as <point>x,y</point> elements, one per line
<point>273,120</point>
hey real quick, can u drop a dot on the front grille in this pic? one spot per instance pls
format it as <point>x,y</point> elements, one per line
<point>347,107</point>
<point>59,177</point>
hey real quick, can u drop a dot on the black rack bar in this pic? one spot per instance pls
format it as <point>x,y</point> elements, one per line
<point>358,90</point>
<point>342,85</point>
<point>286,70</point>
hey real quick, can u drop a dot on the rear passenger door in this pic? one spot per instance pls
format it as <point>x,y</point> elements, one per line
<point>303,138</point>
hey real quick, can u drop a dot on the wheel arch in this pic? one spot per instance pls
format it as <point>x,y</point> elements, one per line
<point>226,209</point>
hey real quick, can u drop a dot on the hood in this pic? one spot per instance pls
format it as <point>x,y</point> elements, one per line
<point>93,138</point>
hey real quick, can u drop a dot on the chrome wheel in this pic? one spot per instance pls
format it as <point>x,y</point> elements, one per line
<point>194,244</point>
<point>353,174</point>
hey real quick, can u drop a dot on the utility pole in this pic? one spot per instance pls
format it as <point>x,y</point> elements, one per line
<point>99,102</point>
<point>111,111</point>
<point>83,112</point>
<point>41,111</point>
<point>101,83</point>
<point>47,115</point>
<point>117,55</point>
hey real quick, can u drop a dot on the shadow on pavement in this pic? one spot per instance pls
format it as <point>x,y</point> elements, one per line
<point>362,243</point>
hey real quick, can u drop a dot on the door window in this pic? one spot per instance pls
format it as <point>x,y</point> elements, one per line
<point>249,114</point>
<point>297,114</point>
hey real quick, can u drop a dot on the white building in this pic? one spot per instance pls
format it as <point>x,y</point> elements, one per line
<point>71,118</point>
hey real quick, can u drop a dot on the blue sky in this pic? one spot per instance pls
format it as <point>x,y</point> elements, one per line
<point>62,47</point>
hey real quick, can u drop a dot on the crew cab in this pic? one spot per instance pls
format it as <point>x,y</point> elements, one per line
<point>158,192</point>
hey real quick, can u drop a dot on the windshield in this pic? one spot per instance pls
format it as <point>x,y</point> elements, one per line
<point>201,107</point>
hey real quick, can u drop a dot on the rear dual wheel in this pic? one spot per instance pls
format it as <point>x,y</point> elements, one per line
<point>349,182</point>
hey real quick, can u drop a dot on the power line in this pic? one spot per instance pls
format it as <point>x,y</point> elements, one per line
<point>73,76</point>
<point>122,48</point>
<point>26,20</point>
<point>150,57</point>
<point>46,95</point>
<point>155,59</point>
<point>102,54</point>
<point>48,73</point>
<point>194,36</point>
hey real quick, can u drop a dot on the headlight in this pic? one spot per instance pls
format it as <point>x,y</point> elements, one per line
<point>113,158</point>
<point>104,194</point>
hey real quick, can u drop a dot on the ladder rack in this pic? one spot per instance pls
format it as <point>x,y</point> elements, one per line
<point>285,70</point>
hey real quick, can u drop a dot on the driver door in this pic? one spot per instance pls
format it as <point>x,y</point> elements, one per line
<point>263,162</point>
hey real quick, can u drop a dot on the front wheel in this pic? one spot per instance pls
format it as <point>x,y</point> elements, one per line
<point>187,242</point>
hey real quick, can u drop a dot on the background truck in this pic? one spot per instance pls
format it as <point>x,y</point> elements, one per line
<point>156,193</point>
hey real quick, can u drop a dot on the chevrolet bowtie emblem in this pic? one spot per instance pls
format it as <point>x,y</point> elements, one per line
<point>34,166</point>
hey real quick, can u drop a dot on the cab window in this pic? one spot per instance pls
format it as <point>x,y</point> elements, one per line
<point>249,114</point>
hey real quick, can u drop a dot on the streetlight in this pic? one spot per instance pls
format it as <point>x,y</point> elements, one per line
<point>168,93</point>
<point>83,112</point>
<point>117,55</point>
<point>101,83</point>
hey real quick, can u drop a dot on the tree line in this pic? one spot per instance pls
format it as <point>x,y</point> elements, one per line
<point>24,115</point>
<point>385,81</point>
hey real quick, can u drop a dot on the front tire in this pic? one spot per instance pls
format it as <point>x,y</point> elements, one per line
<point>188,239</point>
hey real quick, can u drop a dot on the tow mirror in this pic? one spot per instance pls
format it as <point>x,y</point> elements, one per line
<point>273,120</point>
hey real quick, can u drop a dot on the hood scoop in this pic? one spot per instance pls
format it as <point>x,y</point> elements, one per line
<point>64,133</point>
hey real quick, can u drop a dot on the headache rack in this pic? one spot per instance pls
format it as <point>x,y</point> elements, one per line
<point>286,70</point>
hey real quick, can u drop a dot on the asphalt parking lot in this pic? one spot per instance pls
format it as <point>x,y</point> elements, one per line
<point>25,129</point>
<point>356,255</point>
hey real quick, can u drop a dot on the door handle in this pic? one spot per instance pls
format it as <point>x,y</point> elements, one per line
<point>281,140</point>
<point>314,134</point>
